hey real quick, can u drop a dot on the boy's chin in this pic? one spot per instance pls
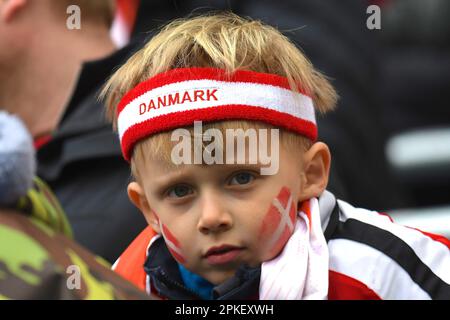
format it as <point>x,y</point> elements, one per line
<point>219,277</point>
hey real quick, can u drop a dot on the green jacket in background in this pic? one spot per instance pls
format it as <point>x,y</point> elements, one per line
<point>39,260</point>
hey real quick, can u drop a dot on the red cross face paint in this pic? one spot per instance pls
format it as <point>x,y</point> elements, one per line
<point>172,244</point>
<point>278,224</point>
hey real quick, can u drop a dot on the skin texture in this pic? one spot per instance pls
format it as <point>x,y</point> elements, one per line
<point>40,59</point>
<point>228,204</point>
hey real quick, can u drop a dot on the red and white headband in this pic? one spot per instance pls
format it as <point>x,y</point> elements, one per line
<point>179,97</point>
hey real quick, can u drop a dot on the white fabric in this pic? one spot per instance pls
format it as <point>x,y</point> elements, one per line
<point>114,266</point>
<point>300,271</point>
<point>432,253</point>
<point>242,93</point>
<point>376,270</point>
<point>120,31</point>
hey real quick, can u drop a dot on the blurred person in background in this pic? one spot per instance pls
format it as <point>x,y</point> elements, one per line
<point>38,258</point>
<point>49,76</point>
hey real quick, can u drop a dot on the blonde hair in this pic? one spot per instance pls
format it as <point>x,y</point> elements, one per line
<point>224,41</point>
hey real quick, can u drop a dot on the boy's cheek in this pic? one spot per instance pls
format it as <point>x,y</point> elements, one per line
<point>277,225</point>
<point>173,244</point>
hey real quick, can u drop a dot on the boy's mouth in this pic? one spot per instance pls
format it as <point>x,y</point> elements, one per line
<point>222,254</point>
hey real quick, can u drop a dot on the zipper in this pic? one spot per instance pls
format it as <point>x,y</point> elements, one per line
<point>178,285</point>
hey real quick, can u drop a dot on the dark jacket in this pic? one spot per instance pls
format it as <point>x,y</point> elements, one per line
<point>83,165</point>
<point>167,281</point>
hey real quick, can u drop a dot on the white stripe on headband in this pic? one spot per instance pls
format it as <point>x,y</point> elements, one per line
<point>199,94</point>
<point>180,96</point>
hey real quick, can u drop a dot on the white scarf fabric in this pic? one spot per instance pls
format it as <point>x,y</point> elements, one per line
<point>300,271</point>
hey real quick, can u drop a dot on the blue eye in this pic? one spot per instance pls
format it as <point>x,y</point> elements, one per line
<point>180,191</point>
<point>242,178</point>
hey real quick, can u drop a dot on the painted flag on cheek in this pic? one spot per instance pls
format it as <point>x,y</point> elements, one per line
<point>278,224</point>
<point>172,244</point>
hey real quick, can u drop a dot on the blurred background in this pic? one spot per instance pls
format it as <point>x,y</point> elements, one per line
<point>390,135</point>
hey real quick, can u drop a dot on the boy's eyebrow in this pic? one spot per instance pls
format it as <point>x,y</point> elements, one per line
<point>237,166</point>
<point>182,171</point>
<point>174,172</point>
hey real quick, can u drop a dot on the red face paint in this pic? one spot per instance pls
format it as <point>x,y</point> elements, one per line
<point>278,224</point>
<point>172,244</point>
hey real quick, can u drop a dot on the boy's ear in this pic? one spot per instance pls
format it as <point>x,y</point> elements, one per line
<point>9,8</point>
<point>138,198</point>
<point>316,168</point>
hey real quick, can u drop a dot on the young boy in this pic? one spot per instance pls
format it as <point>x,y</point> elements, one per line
<point>226,220</point>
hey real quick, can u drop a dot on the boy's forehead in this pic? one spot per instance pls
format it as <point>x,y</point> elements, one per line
<point>163,166</point>
<point>232,144</point>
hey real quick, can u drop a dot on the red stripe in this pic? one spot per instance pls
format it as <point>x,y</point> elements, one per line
<point>435,237</point>
<point>186,74</point>
<point>343,287</point>
<point>170,236</point>
<point>386,215</point>
<point>306,208</point>
<point>41,141</point>
<point>175,242</point>
<point>219,113</point>
<point>128,10</point>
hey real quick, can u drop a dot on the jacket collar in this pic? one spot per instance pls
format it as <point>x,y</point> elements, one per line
<point>329,213</point>
<point>165,278</point>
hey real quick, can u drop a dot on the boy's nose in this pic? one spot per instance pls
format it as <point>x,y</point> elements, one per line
<point>214,217</point>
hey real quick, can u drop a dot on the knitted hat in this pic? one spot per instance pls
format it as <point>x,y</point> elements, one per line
<point>17,162</point>
<point>179,97</point>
